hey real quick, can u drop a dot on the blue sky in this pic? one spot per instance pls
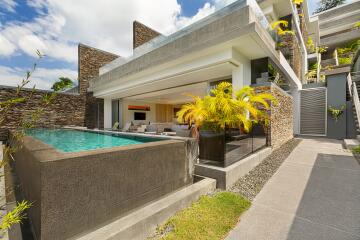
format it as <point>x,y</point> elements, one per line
<point>55,27</point>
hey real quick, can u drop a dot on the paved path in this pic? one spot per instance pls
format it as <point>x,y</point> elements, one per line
<point>315,195</point>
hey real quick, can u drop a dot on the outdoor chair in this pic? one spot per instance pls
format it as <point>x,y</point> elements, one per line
<point>116,126</point>
<point>126,128</point>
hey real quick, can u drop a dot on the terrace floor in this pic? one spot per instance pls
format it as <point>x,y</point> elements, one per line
<point>315,194</point>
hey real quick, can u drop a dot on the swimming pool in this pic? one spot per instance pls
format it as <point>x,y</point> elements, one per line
<point>68,140</point>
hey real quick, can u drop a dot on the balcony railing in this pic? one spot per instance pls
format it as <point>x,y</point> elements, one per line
<point>238,145</point>
<point>355,95</point>
<point>222,8</point>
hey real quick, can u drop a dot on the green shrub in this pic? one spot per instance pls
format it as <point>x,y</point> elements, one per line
<point>344,60</point>
<point>356,150</point>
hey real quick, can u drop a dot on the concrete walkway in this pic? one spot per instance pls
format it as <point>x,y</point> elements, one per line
<point>315,194</point>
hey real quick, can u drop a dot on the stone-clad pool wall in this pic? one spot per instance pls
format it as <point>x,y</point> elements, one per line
<point>281,128</point>
<point>75,192</point>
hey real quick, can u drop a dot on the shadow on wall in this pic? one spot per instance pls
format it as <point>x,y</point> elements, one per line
<point>329,207</point>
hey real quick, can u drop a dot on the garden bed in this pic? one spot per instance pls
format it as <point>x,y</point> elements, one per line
<point>212,217</point>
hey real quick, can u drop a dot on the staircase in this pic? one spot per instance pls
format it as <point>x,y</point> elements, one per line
<point>355,80</point>
<point>356,120</point>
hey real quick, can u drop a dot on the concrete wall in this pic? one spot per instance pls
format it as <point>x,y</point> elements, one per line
<point>336,86</point>
<point>336,97</point>
<point>281,128</point>
<point>75,192</point>
<point>339,18</point>
<point>226,28</point>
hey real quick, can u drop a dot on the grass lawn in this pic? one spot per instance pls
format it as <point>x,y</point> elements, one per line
<point>212,217</point>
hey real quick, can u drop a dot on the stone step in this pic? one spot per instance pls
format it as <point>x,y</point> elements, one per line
<point>351,143</point>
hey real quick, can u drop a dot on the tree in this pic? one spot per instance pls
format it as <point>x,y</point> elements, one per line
<point>324,5</point>
<point>62,84</point>
<point>221,109</point>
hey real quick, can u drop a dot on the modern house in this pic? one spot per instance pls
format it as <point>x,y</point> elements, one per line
<point>233,44</point>
<point>309,63</point>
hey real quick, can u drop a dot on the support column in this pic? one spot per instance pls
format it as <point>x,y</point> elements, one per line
<point>296,110</point>
<point>107,113</point>
<point>241,75</point>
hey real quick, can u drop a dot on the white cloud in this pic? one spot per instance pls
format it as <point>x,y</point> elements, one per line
<point>8,5</point>
<point>106,25</point>
<point>61,24</point>
<point>43,78</point>
<point>6,47</point>
<point>206,10</point>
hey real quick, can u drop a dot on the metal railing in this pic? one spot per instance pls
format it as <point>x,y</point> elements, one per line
<point>355,97</point>
<point>350,83</point>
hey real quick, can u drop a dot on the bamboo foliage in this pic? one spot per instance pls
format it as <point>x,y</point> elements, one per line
<point>18,213</point>
<point>223,109</point>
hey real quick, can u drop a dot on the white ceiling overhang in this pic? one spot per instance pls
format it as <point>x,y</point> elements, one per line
<point>212,63</point>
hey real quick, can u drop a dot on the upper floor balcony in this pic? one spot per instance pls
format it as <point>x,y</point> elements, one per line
<point>212,44</point>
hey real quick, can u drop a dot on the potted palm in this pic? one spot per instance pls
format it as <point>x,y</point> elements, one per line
<point>220,110</point>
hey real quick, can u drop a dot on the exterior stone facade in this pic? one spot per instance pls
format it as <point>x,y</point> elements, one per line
<point>142,34</point>
<point>65,109</point>
<point>290,48</point>
<point>303,26</point>
<point>90,60</point>
<point>94,112</point>
<point>289,45</point>
<point>281,116</point>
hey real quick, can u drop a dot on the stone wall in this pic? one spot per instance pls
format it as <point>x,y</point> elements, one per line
<point>289,45</point>
<point>303,26</point>
<point>142,34</point>
<point>65,109</point>
<point>290,48</point>
<point>90,60</point>
<point>94,112</point>
<point>281,115</point>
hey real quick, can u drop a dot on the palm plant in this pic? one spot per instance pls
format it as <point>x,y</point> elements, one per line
<point>280,27</point>
<point>221,109</point>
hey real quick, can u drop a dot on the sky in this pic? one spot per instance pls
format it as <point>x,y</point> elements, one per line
<point>55,27</point>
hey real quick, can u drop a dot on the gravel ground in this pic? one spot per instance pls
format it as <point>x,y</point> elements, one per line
<point>251,184</point>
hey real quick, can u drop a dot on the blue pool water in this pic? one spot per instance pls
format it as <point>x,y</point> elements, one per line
<point>67,140</point>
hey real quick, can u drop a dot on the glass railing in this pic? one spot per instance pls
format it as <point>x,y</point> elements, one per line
<point>222,8</point>
<point>236,146</point>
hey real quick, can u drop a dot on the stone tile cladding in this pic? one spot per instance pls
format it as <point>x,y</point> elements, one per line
<point>281,116</point>
<point>291,49</point>
<point>94,112</point>
<point>142,34</point>
<point>90,60</point>
<point>65,109</point>
<point>303,26</point>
